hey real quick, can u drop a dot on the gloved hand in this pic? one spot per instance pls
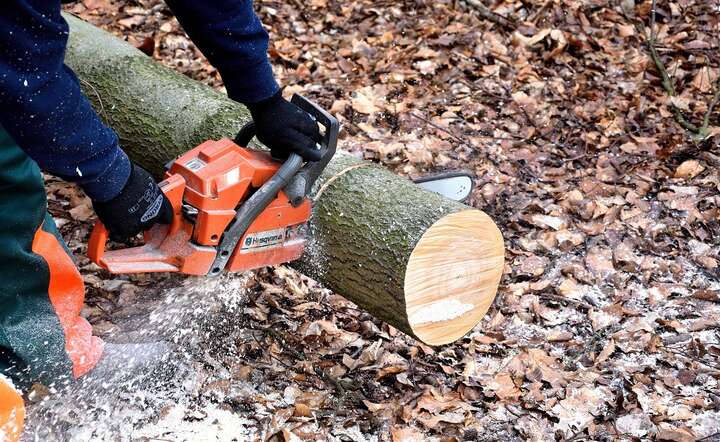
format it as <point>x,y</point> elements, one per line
<point>139,206</point>
<point>285,128</point>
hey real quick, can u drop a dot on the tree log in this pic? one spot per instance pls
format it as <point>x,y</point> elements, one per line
<point>425,264</point>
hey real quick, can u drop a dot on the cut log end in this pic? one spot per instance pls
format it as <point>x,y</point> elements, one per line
<point>452,276</point>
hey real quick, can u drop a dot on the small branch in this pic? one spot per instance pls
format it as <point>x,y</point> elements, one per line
<point>559,298</point>
<point>459,138</point>
<point>653,34</point>
<point>536,15</point>
<point>710,158</point>
<point>711,107</point>
<point>670,89</point>
<point>492,16</point>
<point>667,82</point>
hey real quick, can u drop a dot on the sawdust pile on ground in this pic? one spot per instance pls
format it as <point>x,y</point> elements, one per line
<point>606,326</point>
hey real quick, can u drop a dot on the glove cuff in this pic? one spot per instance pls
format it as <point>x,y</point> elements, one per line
<point>125,196</point>
<point>263,105</point>
<point>110,183</point>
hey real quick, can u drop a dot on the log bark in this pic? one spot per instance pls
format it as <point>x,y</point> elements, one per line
<point>425,264</point>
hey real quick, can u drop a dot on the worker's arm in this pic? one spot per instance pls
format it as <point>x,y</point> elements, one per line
<point>232,38</point>
<point>43,108</point>
<point>45,112</point>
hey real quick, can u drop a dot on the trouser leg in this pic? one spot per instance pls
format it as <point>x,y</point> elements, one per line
<point>42,336</point>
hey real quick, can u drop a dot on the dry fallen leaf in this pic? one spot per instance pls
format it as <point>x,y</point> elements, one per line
<point>406,434</point>
<point>579,408</point>
<point>82,212</point>
<point>599,262</point>
<point>302,410</point>
<point>689,169</point>
<point>367,101</point>
<point>96,4</point>
<point>553,222</point>
<point>133,21</point>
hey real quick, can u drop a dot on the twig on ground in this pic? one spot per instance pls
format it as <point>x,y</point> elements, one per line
<point>711,158</point>
<point>711,107</point>
<point>558,298</point>
<point>700,132</point>
<point>684,355</point>
<point>666,81</point>
<point>536,15</point>
<point>459,138</point>
<point>492,16</point>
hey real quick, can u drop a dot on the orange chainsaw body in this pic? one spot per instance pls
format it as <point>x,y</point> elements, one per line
<point>205,187</point>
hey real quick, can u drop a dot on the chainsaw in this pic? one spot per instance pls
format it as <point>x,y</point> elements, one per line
<point>234,208</point>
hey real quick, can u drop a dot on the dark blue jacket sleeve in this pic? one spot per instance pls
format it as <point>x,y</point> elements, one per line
<point>232,38</point>
<point>42,106</point>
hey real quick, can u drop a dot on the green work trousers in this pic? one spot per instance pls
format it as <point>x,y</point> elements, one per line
<point>43,338</point>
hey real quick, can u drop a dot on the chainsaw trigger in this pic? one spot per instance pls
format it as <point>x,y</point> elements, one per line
<point>190,213</point>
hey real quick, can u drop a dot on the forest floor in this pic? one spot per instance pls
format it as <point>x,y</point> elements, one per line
<point>604,180</point>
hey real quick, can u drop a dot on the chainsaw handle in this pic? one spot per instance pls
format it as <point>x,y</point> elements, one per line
<point>246,134</point>
<point>302,182</point>
<point>328,144</point>
<point>98,239</point>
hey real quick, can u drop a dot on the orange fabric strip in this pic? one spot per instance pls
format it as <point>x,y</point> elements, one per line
<point>67,293</point>
<point>12,412</point>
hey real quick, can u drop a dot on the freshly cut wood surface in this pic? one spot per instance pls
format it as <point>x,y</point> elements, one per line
<point>452,276</point>
<point>366,223</point>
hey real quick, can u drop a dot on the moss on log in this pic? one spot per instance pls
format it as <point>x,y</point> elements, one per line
<point>369,227</point>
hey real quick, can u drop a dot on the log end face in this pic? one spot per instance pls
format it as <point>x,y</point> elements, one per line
<point>452,276</point>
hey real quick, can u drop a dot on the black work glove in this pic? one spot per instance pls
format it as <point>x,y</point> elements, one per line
<point>285,128</point>
<point>139,206</point>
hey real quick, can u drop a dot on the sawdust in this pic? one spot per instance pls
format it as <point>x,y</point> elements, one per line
<point>443,310</point>
<point>210,424</point>
<point>199,315</point>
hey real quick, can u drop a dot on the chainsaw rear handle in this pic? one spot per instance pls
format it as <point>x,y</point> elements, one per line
<point>246,134</point>
<point>98,240</point>
<point>301,183</point>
